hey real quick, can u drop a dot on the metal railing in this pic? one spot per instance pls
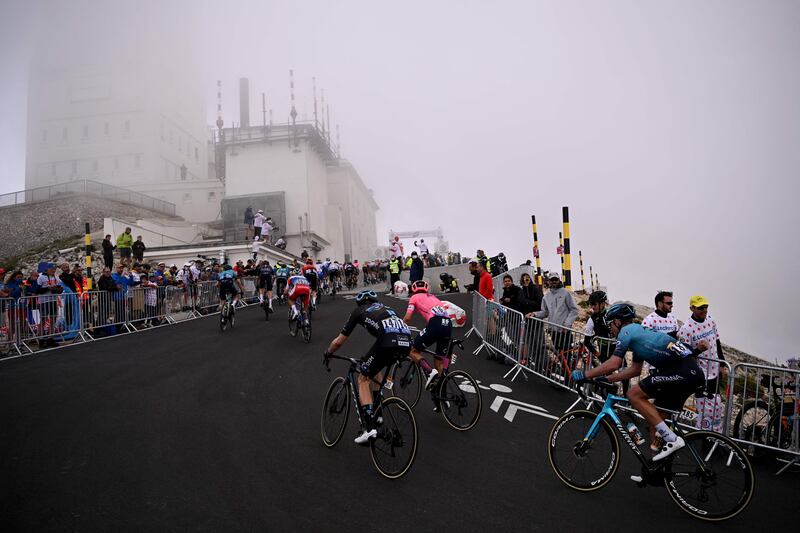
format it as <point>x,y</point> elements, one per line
<point>83,186</point>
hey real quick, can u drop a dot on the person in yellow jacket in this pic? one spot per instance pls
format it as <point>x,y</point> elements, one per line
<point>394,272</point>
<point>124,245</point>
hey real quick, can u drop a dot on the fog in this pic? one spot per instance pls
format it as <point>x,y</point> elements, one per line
<point>670,129</point>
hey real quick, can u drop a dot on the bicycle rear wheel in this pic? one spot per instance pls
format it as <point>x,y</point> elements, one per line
<point>710,478</point>
<point>223,318</point>
<point>265,305</point>
<point>394,448</point>
<point>583,465</point>
<point>459,400</point>
<point>293,325</point>
<point>407,381</point>
<point>307,332</point>
<point>335,411</point>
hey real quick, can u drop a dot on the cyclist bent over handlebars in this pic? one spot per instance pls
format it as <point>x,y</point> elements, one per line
<point>228,283</point>
<point>438,329</point>
<point>676,374</point>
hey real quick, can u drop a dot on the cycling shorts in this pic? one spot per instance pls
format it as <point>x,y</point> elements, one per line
<point>265,282</point>
<point>439,330</point>
<point>671,386</point>
<point>312,279</point>
<point>226,288</point>
<point>297,291</point>
<point>383,354</point>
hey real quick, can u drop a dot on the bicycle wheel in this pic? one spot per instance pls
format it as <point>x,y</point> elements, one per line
<point>265,305</point>
<point>459,400</point>
<point>407,381</point>
<point>223,318</point>
<point>335,410</point>
<point>583,465</point>
<point>709,478</point>
<point>394,448</point>
<point>232,316</point>
<point>307,332</point>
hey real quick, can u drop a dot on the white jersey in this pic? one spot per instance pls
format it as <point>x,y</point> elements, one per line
<point>656,322</point>
<point>692,333</point>
<point>397,249</point>
<point>423,248</point>
<point>258,220</point>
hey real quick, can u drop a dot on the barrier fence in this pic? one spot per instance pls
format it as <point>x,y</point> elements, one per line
<point>756,405</point>
<point>32,323</point>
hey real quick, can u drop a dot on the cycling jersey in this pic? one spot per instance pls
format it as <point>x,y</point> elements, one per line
<point>693,332</point>
<point>310,273</point>
<point>227,276</point>
<point>381,322</point>
<point>265,271</point>
<point>654,347</point>
<point>426,305</point>
<point>656,322</point>
<point>282,272</point>
<point>298,286</point>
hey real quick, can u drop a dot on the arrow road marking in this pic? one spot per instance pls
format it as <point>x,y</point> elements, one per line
<point>516,405</point>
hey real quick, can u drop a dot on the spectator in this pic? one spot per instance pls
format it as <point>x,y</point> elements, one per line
<point>258,221</point>
<point>476,277</point>
<point>138,249</point>
<point>449,283</point>
<point>105,305</point>
<point>394,272</point>
<point>416,268</point>
<point>248,221</point>
<point>530,294</point>
<point>481,258</point>
<point>596,327</point>
<point>661,319</point>
<point>67,278</point>
<point>77,275</point>
<point>122,281</point>
<point>700,332</point>
<point>108,252</point>
<point>254,248</point>
<point>266,230</point>
<point>170,276</point>
<point>396,248</point>
<point>512,294</point>
<point>124,243</point>
<point>559,308</point>
<point>48,305</point>
<point>485,283</point>
<point>281,243</point>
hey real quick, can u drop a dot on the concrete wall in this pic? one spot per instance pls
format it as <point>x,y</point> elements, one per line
<point>153,234</point>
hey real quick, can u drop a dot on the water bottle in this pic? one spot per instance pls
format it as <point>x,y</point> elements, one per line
<point>633,431</point>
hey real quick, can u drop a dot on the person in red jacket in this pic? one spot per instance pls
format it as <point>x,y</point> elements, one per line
<point>485,286</point>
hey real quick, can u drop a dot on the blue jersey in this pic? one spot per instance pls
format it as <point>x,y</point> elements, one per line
<point>655,347</point>
<point>227,276</point>
<point>282,272</point>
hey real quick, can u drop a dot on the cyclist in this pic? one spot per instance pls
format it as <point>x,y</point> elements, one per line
<point>265,277</point>
<point>349,271</point>
<point>310,273</point>
<point>228,282</point>
<point>596,327</point>
<point>297,287</point>
<point>676,374</point>
<point>333,271</point>
<point>392,343</point>
<point>281,275</point>
<point>438,329</point>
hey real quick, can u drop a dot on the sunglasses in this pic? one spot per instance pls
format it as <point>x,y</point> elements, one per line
<point>702,308</point>
<point>667,303</point>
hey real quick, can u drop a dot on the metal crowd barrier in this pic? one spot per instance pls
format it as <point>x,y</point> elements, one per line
<point>105,313</point>
<point>46,319</point>
<point>8,310</point>
<point>765,408</point>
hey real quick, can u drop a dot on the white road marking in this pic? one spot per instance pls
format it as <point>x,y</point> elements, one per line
<point>516,405</point>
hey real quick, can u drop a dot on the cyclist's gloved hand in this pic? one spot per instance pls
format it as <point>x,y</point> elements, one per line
<point>327,355</point>
<point>578,376</point>
<point>602,379</point>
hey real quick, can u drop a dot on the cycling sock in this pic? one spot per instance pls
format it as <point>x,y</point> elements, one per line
<point>665,433</point>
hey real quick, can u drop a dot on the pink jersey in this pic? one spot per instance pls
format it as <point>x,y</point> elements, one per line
<point>426,305</point>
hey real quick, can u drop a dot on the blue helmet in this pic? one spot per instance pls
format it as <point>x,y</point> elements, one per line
<point>621,311</point>
<point>365,296</point>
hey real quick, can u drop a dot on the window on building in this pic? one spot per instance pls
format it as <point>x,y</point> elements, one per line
<point>85,131</point>
<point>137,161</point>
<point>106,129</point>
<point>212,197</point>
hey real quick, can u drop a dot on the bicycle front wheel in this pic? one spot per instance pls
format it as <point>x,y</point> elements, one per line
<point>335,410</point>
<point>407,381</point>
<point>459,400</point>
<point>394,448</point>
<point>709,478</point>
<point>307,332</point>
<point>223,318</point>
<point>584,465</point>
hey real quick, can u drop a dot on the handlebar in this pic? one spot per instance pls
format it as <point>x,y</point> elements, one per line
<point>608,386</point>
<point>327,360</point>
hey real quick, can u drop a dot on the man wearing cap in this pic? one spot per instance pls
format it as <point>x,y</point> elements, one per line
<point>559,308</point>
<point>700,332</point>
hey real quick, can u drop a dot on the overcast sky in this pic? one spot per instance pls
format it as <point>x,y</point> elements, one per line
<point>670,129</point>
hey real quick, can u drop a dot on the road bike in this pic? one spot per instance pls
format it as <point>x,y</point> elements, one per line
<point>455,394</point>
<point>300,321</point>
<point>227,314</point>
<point>771,419</point>
<point>267,309</point>
<point>395,446</point>
<point>710,477</point>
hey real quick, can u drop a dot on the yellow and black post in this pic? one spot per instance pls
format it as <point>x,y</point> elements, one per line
<point>561,254</point>
<point>88,242</point>
<point>597,281</point>
<point>591,278</point>
<point>580,260</point>
<point>567,263</point>
<point>536,251</point>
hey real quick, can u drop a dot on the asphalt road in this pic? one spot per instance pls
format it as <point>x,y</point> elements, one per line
<point>185,428</point>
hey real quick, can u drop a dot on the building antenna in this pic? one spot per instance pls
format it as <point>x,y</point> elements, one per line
<point>328,118</point>
<point>338,144</point>
<point>264,111</point>
<point>314,86</point>
<point>293,112</point>
<point>220,122</point>
<point>323,113</point>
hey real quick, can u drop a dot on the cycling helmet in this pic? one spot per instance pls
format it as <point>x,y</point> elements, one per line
<point>366,296</point>
<point>621,311</point>
<point>444,275</point>
<point>597,297</point>
<point>309,261</point>
<point>419,286</point>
